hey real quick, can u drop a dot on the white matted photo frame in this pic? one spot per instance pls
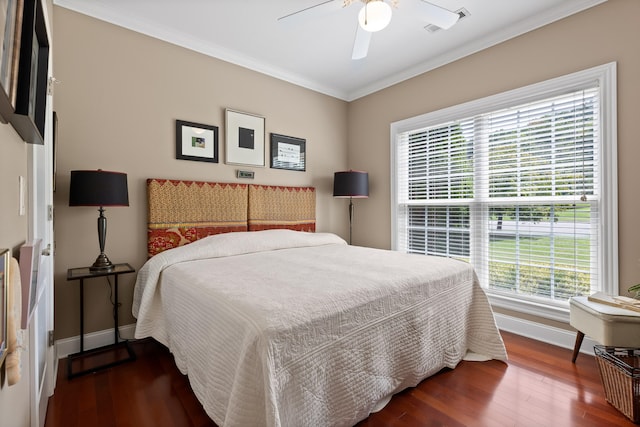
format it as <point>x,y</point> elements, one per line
<point>196,141</point>
<point>245,139</point>
<point>288,152</point>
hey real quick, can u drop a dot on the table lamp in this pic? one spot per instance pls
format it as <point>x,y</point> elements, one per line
<point>99,188</point>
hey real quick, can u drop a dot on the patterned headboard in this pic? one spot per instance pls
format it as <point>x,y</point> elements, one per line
<point>293,208</point>
<point>181,212</point>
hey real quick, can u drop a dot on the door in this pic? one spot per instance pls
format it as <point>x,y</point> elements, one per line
<point>42,357</point>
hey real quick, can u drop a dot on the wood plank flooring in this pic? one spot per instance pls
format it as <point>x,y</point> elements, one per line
<point>538,387</point>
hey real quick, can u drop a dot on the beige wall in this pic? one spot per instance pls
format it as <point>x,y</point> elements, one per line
<point>120,95</point>
<point>14,400</point>
<point>13,163</point>
<point>609,32</point>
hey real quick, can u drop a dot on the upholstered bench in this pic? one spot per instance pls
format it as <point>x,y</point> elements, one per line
<point>609,326</point>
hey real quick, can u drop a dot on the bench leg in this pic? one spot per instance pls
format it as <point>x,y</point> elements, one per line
<point>576,348</point>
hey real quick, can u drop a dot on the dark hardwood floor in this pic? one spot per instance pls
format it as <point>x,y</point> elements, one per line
<point>538,387</point>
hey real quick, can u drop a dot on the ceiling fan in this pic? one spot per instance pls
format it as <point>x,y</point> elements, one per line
<point>374,16</point>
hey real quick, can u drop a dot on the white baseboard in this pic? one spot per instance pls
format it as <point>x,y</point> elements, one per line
<point>537,331</point>
<point>92,340</point>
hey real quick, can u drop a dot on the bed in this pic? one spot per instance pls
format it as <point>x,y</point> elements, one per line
<point>277,325</point>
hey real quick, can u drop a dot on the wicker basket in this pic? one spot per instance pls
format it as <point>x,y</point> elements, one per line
<point>620,373</point>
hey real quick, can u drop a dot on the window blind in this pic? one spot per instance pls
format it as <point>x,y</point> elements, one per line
<point>513,191</point>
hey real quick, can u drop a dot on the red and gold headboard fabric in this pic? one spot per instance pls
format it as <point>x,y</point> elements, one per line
<point>182,212</point>
<point>293,208</point>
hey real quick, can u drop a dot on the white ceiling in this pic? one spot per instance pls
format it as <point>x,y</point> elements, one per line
<point>316,53</point>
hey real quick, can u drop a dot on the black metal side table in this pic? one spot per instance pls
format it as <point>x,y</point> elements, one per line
<point>86,273</point>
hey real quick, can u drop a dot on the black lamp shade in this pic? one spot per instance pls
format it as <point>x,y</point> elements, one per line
<point>98,188</point>
<point>353,184</point>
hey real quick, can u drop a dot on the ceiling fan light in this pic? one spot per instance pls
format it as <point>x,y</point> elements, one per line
<point>374,16</point>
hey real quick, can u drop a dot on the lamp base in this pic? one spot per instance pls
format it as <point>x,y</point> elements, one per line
<point>102,264</point>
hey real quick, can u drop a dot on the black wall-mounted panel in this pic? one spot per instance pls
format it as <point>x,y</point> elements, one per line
<point>29,117</point>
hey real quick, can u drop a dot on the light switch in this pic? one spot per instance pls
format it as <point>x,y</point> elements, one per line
<point>22,210</point>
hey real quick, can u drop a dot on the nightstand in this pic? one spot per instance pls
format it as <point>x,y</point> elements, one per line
<point>98,356</point>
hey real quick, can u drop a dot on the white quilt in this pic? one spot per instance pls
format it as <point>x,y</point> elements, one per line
<point>284,328</point>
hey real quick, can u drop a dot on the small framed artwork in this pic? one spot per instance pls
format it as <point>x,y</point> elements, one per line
<point>195,141</point>
<point>288,152</point>
<point>5,257</point>
<point>245,139</point>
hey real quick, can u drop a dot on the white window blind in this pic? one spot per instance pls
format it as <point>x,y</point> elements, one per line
<point>516,191</point>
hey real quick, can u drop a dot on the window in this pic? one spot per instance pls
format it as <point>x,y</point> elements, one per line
<point>522,185</point>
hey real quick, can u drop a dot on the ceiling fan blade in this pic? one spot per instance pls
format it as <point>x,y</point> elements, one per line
<point>435,14</point>
<point>314,11</point>
<point>361,43</point>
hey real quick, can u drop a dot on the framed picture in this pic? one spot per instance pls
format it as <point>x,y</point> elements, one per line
<point>31,92</point>
<point>195,141</point>
<point>29,263</point>
<point>245,139</point>
<point>5,257</point>
<point>10,33</point>
<point>288,152</point>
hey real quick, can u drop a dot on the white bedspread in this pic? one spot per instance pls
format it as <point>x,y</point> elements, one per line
<point>283,328</point>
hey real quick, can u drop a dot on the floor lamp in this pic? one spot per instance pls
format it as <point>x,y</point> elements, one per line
<point>99,188</point>
<point>351,184</point>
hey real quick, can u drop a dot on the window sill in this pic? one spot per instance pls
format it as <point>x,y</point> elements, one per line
<point>540,309</point>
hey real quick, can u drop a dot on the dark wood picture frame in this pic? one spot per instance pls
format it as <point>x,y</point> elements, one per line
<point>31,97</point>
<point>196,141</point>
<point>9,55</point>
<point>288,152</point>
